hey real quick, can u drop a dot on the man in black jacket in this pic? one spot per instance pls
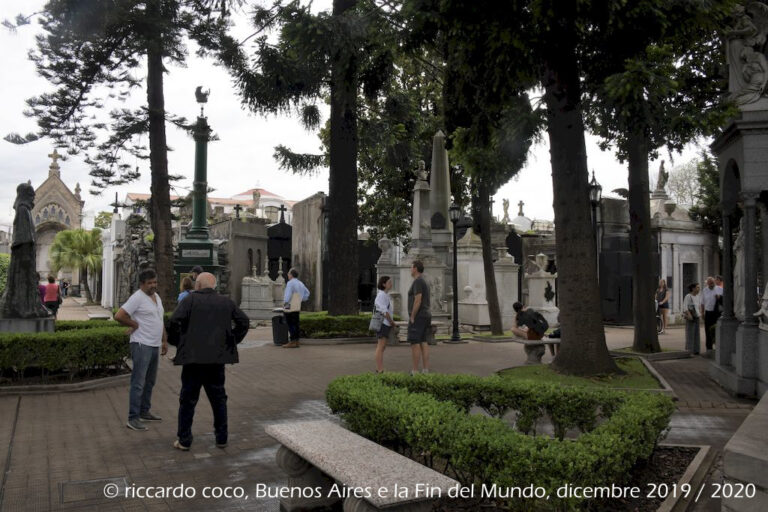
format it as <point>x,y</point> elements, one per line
<point>203,332</point>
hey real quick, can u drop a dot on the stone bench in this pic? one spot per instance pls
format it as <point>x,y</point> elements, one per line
<point>323,455</point>
<point>99,316</point>
<point>534,349</point>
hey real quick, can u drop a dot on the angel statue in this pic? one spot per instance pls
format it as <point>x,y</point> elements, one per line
<point>748,68</point>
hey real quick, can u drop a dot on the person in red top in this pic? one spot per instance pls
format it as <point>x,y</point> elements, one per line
<point>52,296</point>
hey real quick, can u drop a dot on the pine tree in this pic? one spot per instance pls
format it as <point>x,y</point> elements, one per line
<point>88,46</point>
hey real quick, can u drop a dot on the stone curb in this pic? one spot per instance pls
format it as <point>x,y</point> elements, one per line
<point>42,389</point>
<point>337,341</point>
<point>666,388</point>
<point>694,475</point>
<point>658,356</point>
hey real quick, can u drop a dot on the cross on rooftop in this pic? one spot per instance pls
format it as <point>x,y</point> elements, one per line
<point>282,209</point>
<point>520,213</point>
<point>54,156</point>
<point>238,208</point>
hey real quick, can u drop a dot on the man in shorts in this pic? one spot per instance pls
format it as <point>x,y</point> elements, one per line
<point>420,318</point>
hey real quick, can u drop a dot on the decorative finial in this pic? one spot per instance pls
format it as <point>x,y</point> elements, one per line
<point>520,212</point>
<point>53,169</point>
<point>201,97</point>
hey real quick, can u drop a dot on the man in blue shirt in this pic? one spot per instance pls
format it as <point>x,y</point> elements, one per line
<point>293,306</point>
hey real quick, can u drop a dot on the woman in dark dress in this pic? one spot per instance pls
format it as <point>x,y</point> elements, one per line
<point>21,298</point>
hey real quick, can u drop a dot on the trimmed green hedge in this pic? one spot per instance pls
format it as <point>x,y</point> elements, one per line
<point>428,415</point>
<point>320,325</point>
<point>75,350</point>
<point>72,325</point>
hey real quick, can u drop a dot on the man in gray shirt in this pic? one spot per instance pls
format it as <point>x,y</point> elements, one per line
<point>420,318</point>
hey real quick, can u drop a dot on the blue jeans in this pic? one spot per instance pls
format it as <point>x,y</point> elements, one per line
<point>143,376</point>
<point>211,378</point>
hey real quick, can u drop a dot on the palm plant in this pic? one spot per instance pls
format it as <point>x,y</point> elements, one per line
<point>79,250</point>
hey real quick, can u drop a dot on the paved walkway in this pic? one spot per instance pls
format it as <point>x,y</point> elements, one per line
<point>59,451</point>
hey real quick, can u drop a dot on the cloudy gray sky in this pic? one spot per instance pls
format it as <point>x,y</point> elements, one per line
<point>242,158</point>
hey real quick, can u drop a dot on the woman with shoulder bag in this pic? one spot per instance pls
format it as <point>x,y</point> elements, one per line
<point>691,312</point>
<point>384,309</point>
<point>52,296</point>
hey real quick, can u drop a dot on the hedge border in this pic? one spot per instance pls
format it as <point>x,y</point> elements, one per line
<point>74,350</point>
<point>428,414</point>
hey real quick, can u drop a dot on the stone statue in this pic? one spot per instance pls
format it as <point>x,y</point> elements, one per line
<point>762,314</point>
<point>505,204</point>
<point>663,178</point>
<point>747,67</point>
<point>738,273</point>
<point>422,173</point>
<point>256,198</point>
<point>21,298</point>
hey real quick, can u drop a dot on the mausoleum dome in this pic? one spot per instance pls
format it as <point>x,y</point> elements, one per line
<point>522,223</point>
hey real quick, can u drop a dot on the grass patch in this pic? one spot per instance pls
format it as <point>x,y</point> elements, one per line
<point>637,376</point>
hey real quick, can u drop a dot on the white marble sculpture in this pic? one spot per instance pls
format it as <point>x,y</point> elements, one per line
<point>762,314</point>
<point>747,65</point>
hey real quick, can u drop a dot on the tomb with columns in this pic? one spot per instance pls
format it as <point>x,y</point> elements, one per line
<point>741,358</point>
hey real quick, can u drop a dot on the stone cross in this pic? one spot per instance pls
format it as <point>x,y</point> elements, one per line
<point>520,213</point>
<point>54,156</point>
<point>115,204</point>
<point>237,209</point>
<point>282,209</point>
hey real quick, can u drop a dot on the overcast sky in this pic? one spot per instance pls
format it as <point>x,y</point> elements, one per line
<point>242,158</point>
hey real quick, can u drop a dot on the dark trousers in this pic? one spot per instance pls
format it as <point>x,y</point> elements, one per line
<point>292,319</point>
<point>211,378</point>
<point>710,319</point>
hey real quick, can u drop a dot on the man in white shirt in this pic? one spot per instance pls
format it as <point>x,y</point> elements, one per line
<point>143,315</point>
<point>709,310</point>
<point>292,316</point>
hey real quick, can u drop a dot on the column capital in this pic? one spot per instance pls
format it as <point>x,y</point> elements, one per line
<point>749,198</point>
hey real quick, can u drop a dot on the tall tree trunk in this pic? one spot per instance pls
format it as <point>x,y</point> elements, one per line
<point>491,293</point>
<point>643,275</point>
<point>342,181</point>
<point>583,350</point>
<point>86,288</point>
<point>160,202</point>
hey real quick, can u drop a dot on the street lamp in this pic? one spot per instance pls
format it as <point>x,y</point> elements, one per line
<point>595,195</point>
<point>455,213</point>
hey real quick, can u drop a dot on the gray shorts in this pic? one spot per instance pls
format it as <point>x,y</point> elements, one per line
<point>384,331</point>
<point>417,331</point>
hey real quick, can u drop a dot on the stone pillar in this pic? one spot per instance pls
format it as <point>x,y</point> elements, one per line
<point>506,271</point>
<point>727,267</point>
<point>677,285</point>
<point>725,333</point>
<point>764,241</point>
<point>750,257</point>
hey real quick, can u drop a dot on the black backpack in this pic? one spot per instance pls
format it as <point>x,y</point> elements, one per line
<point>541,323</point>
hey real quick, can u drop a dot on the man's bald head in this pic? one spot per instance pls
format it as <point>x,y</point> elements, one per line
<point>205,280</point>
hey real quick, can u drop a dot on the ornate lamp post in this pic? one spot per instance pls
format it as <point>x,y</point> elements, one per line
<point>595,195</point>
<point>196,248</point>
<point>455,213</point>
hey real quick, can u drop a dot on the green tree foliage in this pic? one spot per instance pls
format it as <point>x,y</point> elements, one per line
<point>333,55</point>
<point>5,261</point>
<point>707,208</point>
<point>501,51</point>
<point>103,220</point>
<point>653,81</point>
<point>79,250</point>
<point>90,46</point>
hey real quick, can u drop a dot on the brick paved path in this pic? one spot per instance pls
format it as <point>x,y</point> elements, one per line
<point>62,449</point>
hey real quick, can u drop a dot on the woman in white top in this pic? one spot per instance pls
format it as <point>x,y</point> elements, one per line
<point>691,313</point>
<point>383,306</point>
